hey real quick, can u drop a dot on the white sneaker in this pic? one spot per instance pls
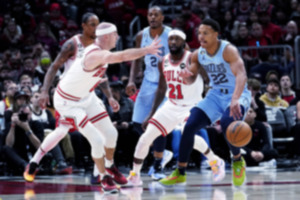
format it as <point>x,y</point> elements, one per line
<point>134,179</point>
<point>157,175</point>
<point>168,155</point>
<point>271,164</point>
<point>218,169</point>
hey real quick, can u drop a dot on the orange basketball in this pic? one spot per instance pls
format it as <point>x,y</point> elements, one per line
<point>238,133</point>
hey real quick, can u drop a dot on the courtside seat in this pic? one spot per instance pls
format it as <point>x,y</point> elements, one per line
<point>281,135</point>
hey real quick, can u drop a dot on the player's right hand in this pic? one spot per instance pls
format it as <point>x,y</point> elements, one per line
<point>44,99</point>
<point>130,89</point>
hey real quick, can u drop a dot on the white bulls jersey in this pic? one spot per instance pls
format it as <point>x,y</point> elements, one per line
<point>78,82</point>
<point>179,92</point>
<point>79,50</point>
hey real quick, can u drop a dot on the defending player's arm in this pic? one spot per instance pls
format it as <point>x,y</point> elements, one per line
<point>66,52</point>
<point>231,55</point>
<point>159,95</point>
<point>101,57</point>
<point>104,86</point>
<point>134,69</point>
<point>190,72</point>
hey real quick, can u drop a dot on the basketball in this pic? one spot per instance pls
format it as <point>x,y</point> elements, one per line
<point>239,133</point>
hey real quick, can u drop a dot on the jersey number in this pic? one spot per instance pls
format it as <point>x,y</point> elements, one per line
<point>175,90</point>
<point>219,78</point>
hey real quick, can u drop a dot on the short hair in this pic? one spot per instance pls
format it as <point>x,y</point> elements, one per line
<point>274,80</point>
<point>85,18</point>
<point>255,84</point>
<point>157,8</point>
<point>213,23</point>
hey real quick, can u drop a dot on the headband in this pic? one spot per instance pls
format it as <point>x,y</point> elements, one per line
<point>107,30</point>
<point>177,33</point>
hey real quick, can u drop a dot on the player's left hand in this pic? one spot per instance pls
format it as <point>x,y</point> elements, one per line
<point>114,104</point>
<point>235,109</point>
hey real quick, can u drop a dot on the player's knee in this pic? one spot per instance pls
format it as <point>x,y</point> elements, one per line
<point>61,131</point>
<point>97,146</point>
<point>111,139</point>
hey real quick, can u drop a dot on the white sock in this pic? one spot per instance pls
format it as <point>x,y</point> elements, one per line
<point>211,156</point>
<point>102,176</point>
<point>108,163</point>
<point>137,168</point>
<point>95,171</point>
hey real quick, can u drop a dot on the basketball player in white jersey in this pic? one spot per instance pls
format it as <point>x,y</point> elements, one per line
<point>73,81</point>
<point>182,95</point>
<point>72,49</point>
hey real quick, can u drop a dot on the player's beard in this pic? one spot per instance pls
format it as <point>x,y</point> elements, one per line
<point>177,50</point>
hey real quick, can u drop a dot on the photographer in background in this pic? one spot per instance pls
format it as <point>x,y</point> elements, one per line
<point>22,136</point>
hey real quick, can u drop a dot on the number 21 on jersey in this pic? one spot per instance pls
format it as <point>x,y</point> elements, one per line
<point>175,91</point>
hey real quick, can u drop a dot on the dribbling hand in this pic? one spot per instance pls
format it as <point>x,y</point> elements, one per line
<point>235,110</point>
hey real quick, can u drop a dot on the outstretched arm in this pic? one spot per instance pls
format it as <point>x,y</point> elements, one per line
<point>68,50</point>
<point>231,55</point>
<point>101,57</point>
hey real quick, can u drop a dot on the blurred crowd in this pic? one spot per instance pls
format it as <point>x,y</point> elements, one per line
<point>33,31</point>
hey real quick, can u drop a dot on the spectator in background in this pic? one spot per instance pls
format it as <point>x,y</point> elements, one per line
<point>272,74</point>
<point>258,149</point>
<point>227,26</point>
<point>45,36</point>
<point>242,11</point>
<point>265,6</point>
<point>41,70</point>
<point>290,35</point>
<point>26,81</point>
<point>7,101</point>
<point>57,20</point>
<point>29,66</point>
<point>270,29</point>
<point>242,37</point>
<point>271,97</point>
<point>19,132</point>
<point>286,91</point>
<point>12,36</point>
<point>257,105</point>
<point>258,38</point>
<point>120,12</point>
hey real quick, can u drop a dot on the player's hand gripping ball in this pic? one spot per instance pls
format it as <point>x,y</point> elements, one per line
<point>239,133</point>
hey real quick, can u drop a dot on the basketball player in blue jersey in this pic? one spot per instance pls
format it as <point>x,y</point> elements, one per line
<point>227,100</point>
<point>145,98</point>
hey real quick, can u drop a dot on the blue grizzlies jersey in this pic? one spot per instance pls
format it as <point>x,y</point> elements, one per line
<point>217,68</point>
<point>151,72</point>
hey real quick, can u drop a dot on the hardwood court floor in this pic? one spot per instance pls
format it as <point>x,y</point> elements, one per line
<point>267,184</point>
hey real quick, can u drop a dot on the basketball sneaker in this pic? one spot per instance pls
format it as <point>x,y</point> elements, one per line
<point>174,179</point>
<point>30,171</point>
<point>239,172</point>
<point>218,169</point>
<point>108,185</point>
<point>158,174</point>
<point>134,179</point>
<point>118,177</point>
<point>95,180</point>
